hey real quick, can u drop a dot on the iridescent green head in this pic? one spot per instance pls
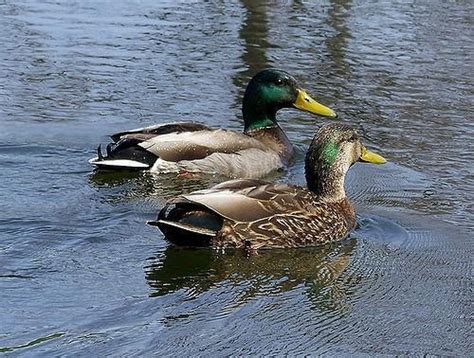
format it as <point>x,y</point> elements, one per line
<point>271,90</point>
<point>334,149</point>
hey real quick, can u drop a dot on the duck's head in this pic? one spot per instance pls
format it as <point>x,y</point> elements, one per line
<point>271,90</point>
<point>334,149</point>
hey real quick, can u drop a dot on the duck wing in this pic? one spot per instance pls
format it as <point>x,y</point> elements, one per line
<point>255,214</point>
<point>181,147</point>
<point>158,129</point>
<point>198,218</point>
<point>247,200</point>
<point>125,152</point>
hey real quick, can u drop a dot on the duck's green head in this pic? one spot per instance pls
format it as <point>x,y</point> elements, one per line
<point>334,149</point>
<point>271,90</point>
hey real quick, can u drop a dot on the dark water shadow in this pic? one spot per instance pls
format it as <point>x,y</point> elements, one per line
<point>112,178</point>
<point>126,185</point>
<point>265,273</point>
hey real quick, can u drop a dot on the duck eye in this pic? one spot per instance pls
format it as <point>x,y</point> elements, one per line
<point>279,82</point>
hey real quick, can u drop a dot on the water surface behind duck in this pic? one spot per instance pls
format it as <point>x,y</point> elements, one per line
<point>80,273</point>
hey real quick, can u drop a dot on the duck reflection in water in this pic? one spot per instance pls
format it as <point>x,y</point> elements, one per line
<point>149,185</point>
<point>267,272</point>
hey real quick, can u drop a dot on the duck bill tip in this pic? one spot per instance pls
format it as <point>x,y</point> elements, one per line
<point>305,102</point>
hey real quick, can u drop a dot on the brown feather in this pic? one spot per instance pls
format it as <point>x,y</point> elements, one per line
<point>257,214</point>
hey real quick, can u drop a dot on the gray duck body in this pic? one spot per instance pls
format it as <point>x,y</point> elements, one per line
<point>187,147</point>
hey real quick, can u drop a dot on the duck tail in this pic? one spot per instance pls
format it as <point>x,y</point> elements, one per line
<point>187,224</point>
<point>183,226</point>
<point>99,153</point>
<point>108,149</point>
<point>123,156</point>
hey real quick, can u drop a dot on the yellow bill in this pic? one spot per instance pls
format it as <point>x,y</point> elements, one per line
<point>371,157</point>
<point>305,103</point>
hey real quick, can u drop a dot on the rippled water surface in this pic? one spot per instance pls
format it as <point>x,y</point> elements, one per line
<point>80,272</point>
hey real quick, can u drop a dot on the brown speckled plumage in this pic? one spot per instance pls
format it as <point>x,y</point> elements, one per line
<point>255,214</point>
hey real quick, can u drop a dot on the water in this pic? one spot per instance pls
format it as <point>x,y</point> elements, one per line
<point>80,272</point>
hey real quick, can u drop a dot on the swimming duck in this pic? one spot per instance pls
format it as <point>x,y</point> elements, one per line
<point>255,214</point>
<point>188,147</point>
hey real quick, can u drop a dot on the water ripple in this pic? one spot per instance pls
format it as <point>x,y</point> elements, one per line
<point>76,257</point>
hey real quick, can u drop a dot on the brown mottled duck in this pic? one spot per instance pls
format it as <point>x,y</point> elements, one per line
<point>256,214</point>
<point>187,147</point>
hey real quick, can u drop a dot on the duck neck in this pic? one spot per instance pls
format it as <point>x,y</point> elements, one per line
<point>257,110</point>
<point>325,179</point>
<point>256,117</point>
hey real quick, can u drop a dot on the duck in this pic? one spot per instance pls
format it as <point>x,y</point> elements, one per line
<point>190,147</point>
<point>255,214</point>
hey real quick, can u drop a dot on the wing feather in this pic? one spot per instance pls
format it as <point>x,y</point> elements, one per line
<point>160,129</point>
<point>199,144</point>
<point>251,200</point>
